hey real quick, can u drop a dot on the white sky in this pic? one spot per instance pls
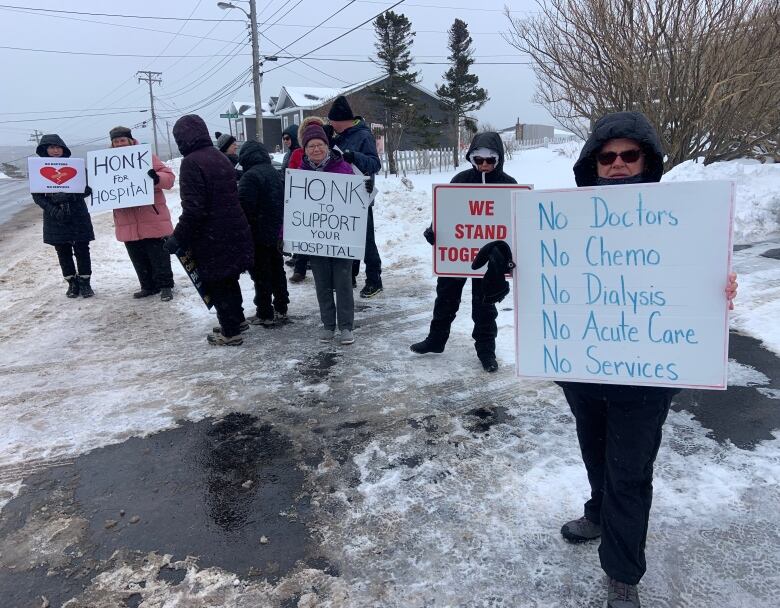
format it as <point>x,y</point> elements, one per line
<point>50,84</point>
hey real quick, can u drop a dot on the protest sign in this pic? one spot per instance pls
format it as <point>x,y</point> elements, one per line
<point>52,174</point>
<point>118,178</point>
<point>624,284</point>
<point>325,214</point>
<point>466,217</point>
<point>188,263</point>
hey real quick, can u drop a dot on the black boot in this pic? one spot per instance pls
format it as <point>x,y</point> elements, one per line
<point>489,363</point>
<point>428,345</point>
<point>73,287</point>
<point>85,289</point>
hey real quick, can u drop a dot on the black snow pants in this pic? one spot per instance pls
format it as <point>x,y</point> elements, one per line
<point>151,262</point>
<point>270,280</point>
<point>80,250</point>
<point>619,431</point>
<point>226,295</point>
<point>448,294</point>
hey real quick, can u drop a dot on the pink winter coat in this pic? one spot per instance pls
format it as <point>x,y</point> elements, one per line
<point>147,221</point>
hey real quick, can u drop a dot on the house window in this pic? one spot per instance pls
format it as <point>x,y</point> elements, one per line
<point>284,122</point>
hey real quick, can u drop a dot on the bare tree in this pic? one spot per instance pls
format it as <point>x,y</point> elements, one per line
<point>706,72</point>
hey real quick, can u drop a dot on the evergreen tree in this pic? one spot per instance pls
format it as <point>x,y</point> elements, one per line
<point>461,89</point>
<point>394,40</point>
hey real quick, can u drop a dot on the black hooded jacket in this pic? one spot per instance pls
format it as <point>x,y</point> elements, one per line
<point>496,176</point>
<point>76,224</point>
<point>620,125</point>
<point>292,131</point>
<point>212,224</point>
<point>261,192</point>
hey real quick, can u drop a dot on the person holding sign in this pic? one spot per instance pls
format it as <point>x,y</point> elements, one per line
<point>261,192</point>
<point>212,227</point>
<point>67,225</point>
<point>330,274</point>
<point>619,426</point>
<point>143,229</point>
<point>486,154</point>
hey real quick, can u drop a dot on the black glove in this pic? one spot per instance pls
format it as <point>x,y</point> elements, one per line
<point>153,174</point>
<point>349,156</point>
<point>87,191</point>
<point>498,256</point>
<point>330,132</point>
<point>171,245</point>
<point>429,235</point>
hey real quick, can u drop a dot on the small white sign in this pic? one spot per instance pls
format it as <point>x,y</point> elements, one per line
<point>466,217</point>
<point>118,178</point>
<point>325,214</point>
<point>50,174</point>
<point>624,284</point>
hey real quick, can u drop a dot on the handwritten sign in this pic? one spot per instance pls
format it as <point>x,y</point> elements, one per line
<point>466,217</point>
<point>118,178</point>
<point>325,214</point>
<point>624,284</point>
<point>51,174</point>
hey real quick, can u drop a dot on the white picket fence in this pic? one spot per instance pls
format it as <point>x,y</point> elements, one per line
<point>529,144</point>
<point>420,161</point>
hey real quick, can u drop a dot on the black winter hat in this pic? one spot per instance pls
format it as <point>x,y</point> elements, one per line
<point>340,109</point>
<point>498,256</point>
<point>120,132</point>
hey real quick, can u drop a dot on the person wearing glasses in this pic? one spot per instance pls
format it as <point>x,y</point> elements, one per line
<point>290,141</point>
<point>486,155</point>
<point>619,426</point>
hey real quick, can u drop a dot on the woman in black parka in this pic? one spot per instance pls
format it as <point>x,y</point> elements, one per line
<point>486,155</point>
<point>261,192</point>
<point>619,426</point>
<point>67,225</point>
<point>212,225</point>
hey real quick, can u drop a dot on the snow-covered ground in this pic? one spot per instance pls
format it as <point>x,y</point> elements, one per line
<point>475,521</point>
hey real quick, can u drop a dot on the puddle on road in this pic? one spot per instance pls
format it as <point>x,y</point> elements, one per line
<point>209,489</point>
<point>487,417</point>
<point>772,254</point>
<point>317,368</point>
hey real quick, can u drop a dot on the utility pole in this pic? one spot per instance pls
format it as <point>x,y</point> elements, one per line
<point>151,77</point>
<point>256,70</point>
<point>170,150</point>
<point>36,136</point>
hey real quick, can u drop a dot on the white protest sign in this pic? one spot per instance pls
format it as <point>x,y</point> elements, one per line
<point>325,214</point>
<point>118,178</point>
<point>52,174</point>
<point>624,284</point>
<point>466,217</point>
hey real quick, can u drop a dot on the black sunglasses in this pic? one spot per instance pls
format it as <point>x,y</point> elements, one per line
<point>627,156</point>
<point>490,160</point>
<point>286,137</point>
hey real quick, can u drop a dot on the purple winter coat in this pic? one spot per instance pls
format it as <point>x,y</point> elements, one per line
<point>212,224</point>
<point>335,164</point>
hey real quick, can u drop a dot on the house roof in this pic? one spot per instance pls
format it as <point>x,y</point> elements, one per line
<point>247,108</point>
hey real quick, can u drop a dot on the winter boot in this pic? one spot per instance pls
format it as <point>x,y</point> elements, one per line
<point>580,530</point>
<point>85,289</point>
<point>242,327</point>
<point>221,340</point>
<point>297,277</point>
<point>489,363</point>
<point>166,294</point>
<point>281,317</point>
<point>428,345</point>
<point>622,595</point>
<point>145,293</point>
<point>73,287</point>
<point>369,290</point>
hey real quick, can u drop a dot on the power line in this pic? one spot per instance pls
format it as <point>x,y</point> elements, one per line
<point>66,111</point>
<point>62,117</point>
<point>60,52</point>
<point>155,17</point>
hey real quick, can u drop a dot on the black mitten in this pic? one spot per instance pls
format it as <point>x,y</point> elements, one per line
<point>498,256</point>
<point>153,174</point>
<point>87,191</point>
<point>429,235</point>
<point>171,245</point>
<point>349,156</point>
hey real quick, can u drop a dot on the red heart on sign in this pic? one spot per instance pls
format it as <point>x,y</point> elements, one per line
<point>58,176</point>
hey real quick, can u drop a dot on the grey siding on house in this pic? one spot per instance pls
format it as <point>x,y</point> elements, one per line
<point>272,131</point>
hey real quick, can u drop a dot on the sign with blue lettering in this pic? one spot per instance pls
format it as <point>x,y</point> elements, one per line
<point>325,214</point>
<point>118,178</point>
<point>624,284</point>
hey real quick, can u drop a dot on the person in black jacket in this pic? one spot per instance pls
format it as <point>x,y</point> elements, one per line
<point>212,226</point>
<point>619,426</point>
<point>67,225</point>
<point>261,192</point>
<point>486,154</point>
<point>290,141</point>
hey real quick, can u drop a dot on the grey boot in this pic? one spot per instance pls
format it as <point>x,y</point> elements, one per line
<point>85,289</point>
<point>73,287</point>
<point>580,530</point>
<point>622,595</point>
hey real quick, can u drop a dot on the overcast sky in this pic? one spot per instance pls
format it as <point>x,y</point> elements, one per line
<point>88,94</point>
